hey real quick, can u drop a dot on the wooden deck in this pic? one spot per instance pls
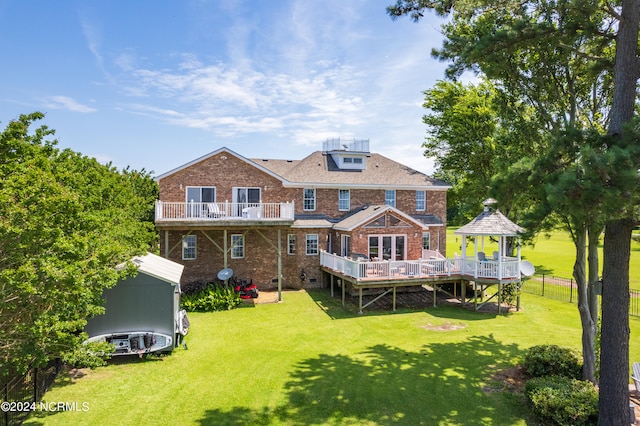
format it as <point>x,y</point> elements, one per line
<point>388,276</point>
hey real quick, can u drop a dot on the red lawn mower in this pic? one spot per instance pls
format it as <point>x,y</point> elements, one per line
<point>247,290</point>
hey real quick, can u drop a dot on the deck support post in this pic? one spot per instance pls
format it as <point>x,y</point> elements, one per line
<point>331,276</point>
<point>394,298</point>
<point>499,296</point>
<point>475,295</point>
<point>463,289</point>
<point>360,295</point>
<point>435,294</point>
<point>343,290</point>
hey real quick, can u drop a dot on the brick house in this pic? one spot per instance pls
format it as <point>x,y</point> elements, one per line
<point>269,219</point>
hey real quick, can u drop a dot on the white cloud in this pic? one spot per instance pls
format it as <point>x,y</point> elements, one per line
<point>65,102</point>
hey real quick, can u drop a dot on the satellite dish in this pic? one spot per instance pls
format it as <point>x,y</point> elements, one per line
<point>225,274</point>
<point>526,268</point>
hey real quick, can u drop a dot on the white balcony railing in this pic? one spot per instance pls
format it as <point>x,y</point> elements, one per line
<point>168,211</point>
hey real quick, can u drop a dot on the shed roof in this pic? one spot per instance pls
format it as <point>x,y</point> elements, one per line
<point>159,267</point>
<point>491,223</point>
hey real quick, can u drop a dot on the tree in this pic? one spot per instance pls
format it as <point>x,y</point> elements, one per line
<point>66,222</point>
<point>474,132</point>
<point>614,361</point>
<point>559,56</point>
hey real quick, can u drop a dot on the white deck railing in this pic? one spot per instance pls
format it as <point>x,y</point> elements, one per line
<point>389,269</point>
<point>224,211</point>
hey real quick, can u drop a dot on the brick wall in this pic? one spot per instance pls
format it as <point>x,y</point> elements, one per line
<point>260,261</point>
<point>225,171</point>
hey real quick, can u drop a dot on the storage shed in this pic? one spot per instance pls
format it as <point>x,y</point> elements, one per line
<point>147,303</point>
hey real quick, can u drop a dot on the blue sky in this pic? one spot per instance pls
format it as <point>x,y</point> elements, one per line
<point>155,84</point>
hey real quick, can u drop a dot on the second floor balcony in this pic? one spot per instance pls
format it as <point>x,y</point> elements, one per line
<point>225,212</point>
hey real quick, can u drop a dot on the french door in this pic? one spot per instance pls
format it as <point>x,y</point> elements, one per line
<point>387,247</point>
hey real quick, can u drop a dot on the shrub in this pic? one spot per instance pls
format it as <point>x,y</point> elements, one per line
<point>548,360</point>
<point>211,298</point>
<point>561,400</point>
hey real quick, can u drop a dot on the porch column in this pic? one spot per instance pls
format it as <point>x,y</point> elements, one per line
<point>500,252</point>
<point>279,265</point>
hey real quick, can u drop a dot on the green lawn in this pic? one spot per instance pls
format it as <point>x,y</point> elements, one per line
<point>308,361</point>
<point>551,255</point>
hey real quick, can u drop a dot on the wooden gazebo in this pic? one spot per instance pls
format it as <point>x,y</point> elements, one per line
<point>505,269</point>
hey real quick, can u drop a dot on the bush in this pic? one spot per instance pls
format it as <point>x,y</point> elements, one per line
<point>552,360</point>
<point>561,400</point>
<point>210,298</point>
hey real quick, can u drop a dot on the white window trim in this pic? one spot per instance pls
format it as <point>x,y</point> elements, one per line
<point>185,247</point>
<point>424,200</point>
<point>386,200</point>
<point>235,246</point>
<point>423,235</point>
<point>186,192</point>
<point>290,245</point>
<point>306,245</point>
<point>348,200</point>
<point>304,199</point>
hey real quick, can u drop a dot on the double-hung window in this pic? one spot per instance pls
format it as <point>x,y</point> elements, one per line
<point>309,202</point>
<point>312,244</point>
<point>344,200</point>
<point>421,200</point>
<point>237,246</point>
<point>426,241</point>
<point>189,247</point>
<point>390,197</point>
<point>291,244</point>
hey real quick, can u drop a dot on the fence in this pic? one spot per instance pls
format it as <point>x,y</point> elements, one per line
<point>20,393</point>
<point>566,290</point>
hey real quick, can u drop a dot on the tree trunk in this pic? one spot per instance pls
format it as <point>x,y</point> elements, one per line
<point>592,292</point>
<point>614,355</point>
<point>588,329</point>
<point>594,270</point>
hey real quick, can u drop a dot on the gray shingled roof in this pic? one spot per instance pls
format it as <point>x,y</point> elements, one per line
<point>319,168</point>
<point>490,223</point>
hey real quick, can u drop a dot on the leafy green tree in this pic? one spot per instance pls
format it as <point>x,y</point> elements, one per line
<point>475,132</point>
<point>559,56</point>
<point>66,222</point>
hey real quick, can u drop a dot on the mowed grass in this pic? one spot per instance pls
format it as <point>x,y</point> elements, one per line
<point>308,361</point>
<point>552,254</point>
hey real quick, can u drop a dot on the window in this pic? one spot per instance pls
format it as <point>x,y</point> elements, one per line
<point>357,161</point>
<point>390,197</point>
<point>387,247</point>
<point>189,247</point>
<point>309,201</point>
<point>291,244</point>
<point>198,197</point>
<point>348,160</point>
<point>421,200</point>
<point>426,241</point>
<point>344,199</point>
<point>201,194</point>
<point>312,244</point>
<point>237,246</point>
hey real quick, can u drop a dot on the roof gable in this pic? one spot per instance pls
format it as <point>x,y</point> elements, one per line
<point>216,152</point>
<point>372,213</point>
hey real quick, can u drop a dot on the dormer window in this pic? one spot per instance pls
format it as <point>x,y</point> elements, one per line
<point>348,154</point>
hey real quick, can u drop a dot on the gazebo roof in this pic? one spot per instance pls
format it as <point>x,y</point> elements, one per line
<point>491,223</point>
